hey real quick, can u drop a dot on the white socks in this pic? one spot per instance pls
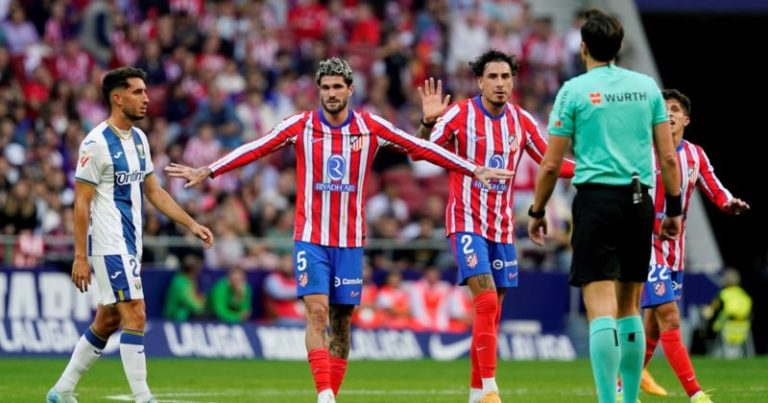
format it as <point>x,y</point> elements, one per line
<point>475,395</point>
<point>87,351</point>
<point>135,363</point>
<point>489,385</point>
<point>326,396</point>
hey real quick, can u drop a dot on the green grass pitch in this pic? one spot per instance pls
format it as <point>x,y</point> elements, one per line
<point>28,380</point>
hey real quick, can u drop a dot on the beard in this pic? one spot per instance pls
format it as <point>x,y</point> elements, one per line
<point>492,100</point>
<point>333,111</point>
<point>133,117</point>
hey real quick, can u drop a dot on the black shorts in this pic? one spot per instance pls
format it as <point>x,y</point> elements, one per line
<point>611,235</point>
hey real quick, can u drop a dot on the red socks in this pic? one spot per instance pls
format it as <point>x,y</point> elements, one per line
<point>320,364</point>
<point>484,332</point>
<point>474,379</point>
<point>338,369</point>
<point>650,347</point>
<point>679,360</point>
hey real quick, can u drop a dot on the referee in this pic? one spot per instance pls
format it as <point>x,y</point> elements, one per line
<point>612,115</point>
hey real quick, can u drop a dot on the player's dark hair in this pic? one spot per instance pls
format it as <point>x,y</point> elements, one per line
<point>602,34</point>
<point>680,97</point>
<point>493,55</point>
<point>118,78</point>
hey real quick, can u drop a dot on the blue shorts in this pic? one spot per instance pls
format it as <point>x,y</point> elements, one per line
<point>335,272</point>
<point>477,255</point>
<point>661,287</point>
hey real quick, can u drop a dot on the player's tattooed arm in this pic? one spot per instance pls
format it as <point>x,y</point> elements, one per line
<point>340,318</point>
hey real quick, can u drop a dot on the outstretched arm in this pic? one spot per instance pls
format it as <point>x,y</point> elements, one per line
<point>390,135</point>
<point>165,203</point>
<point>714,189</point>
<point>281,135</point>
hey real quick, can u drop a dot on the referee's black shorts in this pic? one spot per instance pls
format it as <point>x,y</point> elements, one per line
<point>611,235</point>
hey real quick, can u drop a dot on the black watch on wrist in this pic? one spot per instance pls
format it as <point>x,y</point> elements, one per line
<point>428,125</point>
<point>535,214</point>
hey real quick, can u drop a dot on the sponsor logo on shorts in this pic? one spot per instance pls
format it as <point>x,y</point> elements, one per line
<point>354,294</point>
<point>499,264</point>
<point>659,288</point>
<point>137,284</point>
<point>512,276</point>
<point>337,281</point>
<point>472,260</point>
<point>677,286</point>
<point>303,279</point>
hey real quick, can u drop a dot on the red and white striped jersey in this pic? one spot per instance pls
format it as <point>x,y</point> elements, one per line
<point>695,170</point>
<point>332,165</point>
<point>470,131</point>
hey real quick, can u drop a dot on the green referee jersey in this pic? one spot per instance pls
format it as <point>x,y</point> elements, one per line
<point>609,113</point>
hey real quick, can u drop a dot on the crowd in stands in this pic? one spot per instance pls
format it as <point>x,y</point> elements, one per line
<point>222,73</point>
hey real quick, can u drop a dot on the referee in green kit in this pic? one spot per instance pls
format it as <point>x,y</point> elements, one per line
<point>612,115</point>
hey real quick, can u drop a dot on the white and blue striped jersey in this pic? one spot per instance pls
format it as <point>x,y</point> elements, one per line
<point>117,168</point>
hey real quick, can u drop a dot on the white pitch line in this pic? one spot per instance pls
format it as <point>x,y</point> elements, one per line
<point>183,397</point>
<point>174,396</point>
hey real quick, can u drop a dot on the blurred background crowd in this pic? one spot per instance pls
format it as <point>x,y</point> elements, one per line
<point>222,73</point>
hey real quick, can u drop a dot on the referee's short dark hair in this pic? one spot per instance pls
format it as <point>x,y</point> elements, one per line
<point>118,78</point>
<point>493,55</point>
<point>602,34</point>
<point>680,97</point>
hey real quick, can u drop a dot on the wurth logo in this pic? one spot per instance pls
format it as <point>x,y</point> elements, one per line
<point>596,98</point>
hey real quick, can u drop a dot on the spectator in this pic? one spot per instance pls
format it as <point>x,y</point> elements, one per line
<point>230,297</point>
<point>429,298</point>
<point>19,33</point>
<point>281,301</point>
<point>19,211</point>
<point>387,203</point>
<point>183,300</point>
<point>460,311</point>
<point>219,112</point>
<point>729,314</point>
<point>203,147</point>
<point>365,315</point>
<point>393,303</point>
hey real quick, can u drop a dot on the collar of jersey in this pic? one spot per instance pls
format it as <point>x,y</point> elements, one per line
<point>347,121</point>
<point>117,133</point>
<point>479,102</point>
